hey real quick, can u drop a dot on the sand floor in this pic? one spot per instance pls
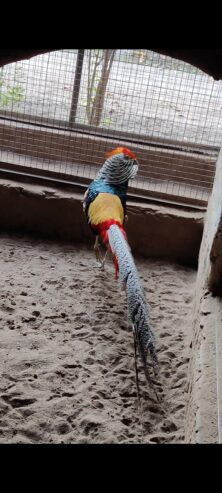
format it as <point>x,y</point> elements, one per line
<point>67,356</point>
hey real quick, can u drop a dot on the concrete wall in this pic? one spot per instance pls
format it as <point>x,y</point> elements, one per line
<point>152,230</point>
<point>204,412</point>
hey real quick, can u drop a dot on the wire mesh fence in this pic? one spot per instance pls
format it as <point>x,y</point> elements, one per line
<point>61,111</point>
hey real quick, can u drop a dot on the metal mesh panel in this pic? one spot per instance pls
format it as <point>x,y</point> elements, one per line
<point>60,112</point>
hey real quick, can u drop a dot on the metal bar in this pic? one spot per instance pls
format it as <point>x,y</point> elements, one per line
<point>76,86</point>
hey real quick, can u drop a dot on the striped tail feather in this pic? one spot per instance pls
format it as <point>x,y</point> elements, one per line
<point>137,307</point>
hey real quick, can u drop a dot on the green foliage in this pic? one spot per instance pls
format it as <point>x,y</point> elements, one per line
<point>107,121</point>
<point>9,93</point>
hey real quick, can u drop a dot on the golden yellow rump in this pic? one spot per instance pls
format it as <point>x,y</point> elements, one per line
<point>105,206</point>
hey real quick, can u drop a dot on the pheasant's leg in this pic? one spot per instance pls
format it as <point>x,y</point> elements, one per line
<point>99,259</point>
<point>104,259</point>
<point>97,251</point>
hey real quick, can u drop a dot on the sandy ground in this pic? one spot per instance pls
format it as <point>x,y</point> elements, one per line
<point>67,356</point>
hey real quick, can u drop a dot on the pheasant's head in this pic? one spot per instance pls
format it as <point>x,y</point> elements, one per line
<point>121,165</point>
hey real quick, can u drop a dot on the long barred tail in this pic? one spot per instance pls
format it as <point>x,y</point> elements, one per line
<point>137,306</point>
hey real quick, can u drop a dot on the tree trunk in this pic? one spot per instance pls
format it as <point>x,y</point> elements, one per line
<point>98,103</point>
